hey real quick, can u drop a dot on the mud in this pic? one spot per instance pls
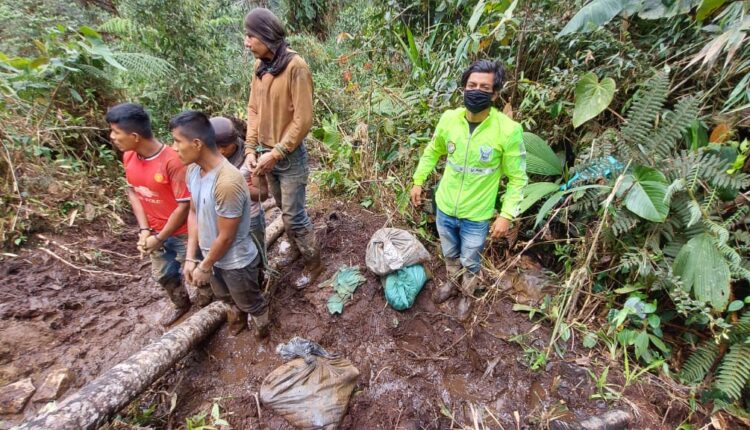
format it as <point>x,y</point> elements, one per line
<point>420,368</point>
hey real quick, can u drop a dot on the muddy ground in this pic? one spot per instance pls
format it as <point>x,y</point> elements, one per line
<point>418,369</point>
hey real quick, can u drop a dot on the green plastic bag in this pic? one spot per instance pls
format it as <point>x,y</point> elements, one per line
<point>402,286</point>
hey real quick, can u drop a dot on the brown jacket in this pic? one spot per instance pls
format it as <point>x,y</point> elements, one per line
<point>279,113</point>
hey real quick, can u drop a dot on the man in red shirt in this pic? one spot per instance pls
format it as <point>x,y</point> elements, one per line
<point>159,198</point>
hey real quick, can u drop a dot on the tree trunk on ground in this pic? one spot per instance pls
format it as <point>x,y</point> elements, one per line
<point>274,231</point>
<point>101,398</point>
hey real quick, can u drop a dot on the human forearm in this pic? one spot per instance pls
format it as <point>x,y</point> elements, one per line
<point>175,221</point>
<point>192,243</point>
<point>218,249</point>
<point>138,211</point>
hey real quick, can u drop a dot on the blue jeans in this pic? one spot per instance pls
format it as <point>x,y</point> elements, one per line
<point>461,238</point>
<point>288,182</point>
<point>166,262</point>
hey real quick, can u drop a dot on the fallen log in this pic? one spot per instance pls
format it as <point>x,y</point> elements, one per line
<point>268,203</point>
<point>274,231</point>
<point>103,397</point>
<point>610,420</point>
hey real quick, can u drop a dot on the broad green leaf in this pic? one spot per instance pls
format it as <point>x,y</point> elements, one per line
<point>589,341</point>
<point>654,321</point>
<point>540,159</point>
<point>659,344</point>
<point>547,206</point>
<point>593,16</point>
<point>564,332</point>
<point>657,9</point>
<point>592,97</point>
<point>535,192</point>
<point>89,32</point>
<point>707,7</point>
<point>648,187</point>
<point>704,271</point>
<point>735,306</point>
<point>476,15</point>
<point>641,344</point>
<point>335,304</point>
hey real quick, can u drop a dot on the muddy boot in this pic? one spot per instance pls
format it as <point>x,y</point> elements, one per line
<point>448,287</point>
<point>291,255</point>
<point>469,283</point>
<point>180,301</point>
<point>313,264</point>
<point>203,296</point>
<point>463,310</point>
<point>261,323</point>
<point>236,320</point>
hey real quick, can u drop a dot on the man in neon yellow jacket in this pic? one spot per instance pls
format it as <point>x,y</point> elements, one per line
<point>481,145</point>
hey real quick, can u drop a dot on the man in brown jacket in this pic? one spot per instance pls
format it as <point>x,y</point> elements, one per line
<point>279,117</point>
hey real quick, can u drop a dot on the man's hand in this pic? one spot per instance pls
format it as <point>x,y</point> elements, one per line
<point>265,164</point>
<point>187,271</point>
<point>142,236</point>
<point>416,195</point>
<point>151,244</point>
<point>499,228</point>
<point>201,276</point>
<point>251,161</point>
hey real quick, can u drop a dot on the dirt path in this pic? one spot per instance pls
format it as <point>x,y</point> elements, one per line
<point>417,368</point>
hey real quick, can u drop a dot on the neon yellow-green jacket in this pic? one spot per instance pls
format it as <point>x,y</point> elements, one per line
<point>475,164</point>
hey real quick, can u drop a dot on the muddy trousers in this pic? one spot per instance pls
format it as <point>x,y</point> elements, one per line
<point>462,239</point>
<point>240,287</point>
<point>288,185</point>
<point>165,269</point>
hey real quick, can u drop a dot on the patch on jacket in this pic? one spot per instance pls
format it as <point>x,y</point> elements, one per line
<point>451,147</point>
<point>485,153</point>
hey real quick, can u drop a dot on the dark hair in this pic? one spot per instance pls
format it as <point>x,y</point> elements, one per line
<point>132,118</point>
<point>240,126</point>
<point>486,66</point>
<point>194,125</point>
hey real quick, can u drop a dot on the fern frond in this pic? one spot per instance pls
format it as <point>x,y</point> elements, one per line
<point>734,371</point>
<point>95,72</point>
<point>643,113</point>
<point>144,65</point>
<point>623,221</point>
<point>670,131</point>
<point>118,26</point>
<point>695,212</point>
<point>676,186</point>
<point>696,367</point>
<point>587,202</point>
<point>740,330</point>
<point>736,218</point>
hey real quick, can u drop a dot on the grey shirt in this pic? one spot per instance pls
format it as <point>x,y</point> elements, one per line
<point>222,192</point>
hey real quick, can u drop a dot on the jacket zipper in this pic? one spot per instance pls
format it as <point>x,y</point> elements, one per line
<point>463,174</point>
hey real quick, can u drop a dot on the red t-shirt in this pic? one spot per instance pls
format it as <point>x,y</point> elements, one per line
<point>159,183</point>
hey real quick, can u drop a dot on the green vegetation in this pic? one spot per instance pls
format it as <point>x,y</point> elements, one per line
<point>637,141</point>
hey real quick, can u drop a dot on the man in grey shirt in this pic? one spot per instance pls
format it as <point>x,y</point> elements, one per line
<point>219,223</point>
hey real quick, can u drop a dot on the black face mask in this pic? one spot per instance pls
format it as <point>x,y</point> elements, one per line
<point>477,100</point>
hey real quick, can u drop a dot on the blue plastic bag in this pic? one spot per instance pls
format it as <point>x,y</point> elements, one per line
<point>403,286</point>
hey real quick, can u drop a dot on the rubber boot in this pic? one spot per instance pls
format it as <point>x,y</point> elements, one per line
<point>463,310</point>
<point>203,296</point>
<point>313,264</point>
<point>180,301</point>
<point>448,288</point>
<point>261,323</point>
<point>292,255</point>
<point>236,320</point>
<point>469,284</point>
